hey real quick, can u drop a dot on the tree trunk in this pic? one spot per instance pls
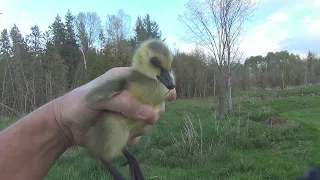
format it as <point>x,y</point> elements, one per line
<point>195,95</point>
<point>282,79</point>
<point>229,97</point>
<point>221,95</point>
<point>214,85</point>
<point>12,85</point>
<point>229,74</point>
<point>205,87</point>
<point>3,90</point>
<point>305,76</point>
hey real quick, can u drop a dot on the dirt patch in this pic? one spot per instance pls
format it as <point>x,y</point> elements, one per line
<point>279,121</point>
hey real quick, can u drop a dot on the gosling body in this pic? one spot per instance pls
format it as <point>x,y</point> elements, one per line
<point>150,81</point>
<point>109,136</point>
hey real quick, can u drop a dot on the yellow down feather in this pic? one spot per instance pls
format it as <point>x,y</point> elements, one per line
<point>109,136</point>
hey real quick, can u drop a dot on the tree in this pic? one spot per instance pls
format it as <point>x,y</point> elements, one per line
<point>310,64</point>
<point>88,27</point>
<point>7,87</point>
<point>5,46</point>
<point>88,31</point>
<point>118,26</point>
<point>42,66</point>
<point>145,28</point>
<point>117,34</point>
<point>56,82</point>
<point>22,69</point>
<point>36,49</point>
<point>216,25</point>
<point>71,52</point>
<point>35,41</point>
<point>57,30</point>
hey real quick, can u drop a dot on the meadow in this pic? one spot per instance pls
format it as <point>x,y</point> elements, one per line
<point>189,142</point>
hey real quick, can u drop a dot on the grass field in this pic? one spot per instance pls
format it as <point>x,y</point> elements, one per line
<point>190,143</point>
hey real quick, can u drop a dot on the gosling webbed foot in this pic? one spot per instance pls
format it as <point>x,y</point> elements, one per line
<point>134,168</point>
<point>112,170</point>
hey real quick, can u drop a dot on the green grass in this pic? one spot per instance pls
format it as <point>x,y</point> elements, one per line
<point>280,92</point>
<point>189,142</point>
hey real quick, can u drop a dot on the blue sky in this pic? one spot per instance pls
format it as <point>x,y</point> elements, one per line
<point>292,25</point>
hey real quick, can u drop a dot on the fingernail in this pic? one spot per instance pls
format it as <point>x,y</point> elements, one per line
<point>145,112</point>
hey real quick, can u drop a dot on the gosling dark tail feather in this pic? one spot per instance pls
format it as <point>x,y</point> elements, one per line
<point>134,168</point>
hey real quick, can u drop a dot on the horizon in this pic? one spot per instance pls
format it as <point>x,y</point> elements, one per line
<point>292,25</point>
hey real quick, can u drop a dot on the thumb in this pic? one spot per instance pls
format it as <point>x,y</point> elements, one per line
<point>129,106</point>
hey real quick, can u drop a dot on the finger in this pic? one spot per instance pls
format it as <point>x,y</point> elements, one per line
<point>162,109</point>
<point>129,106</point>
<point>110,73</point>
<point>142,132</point>
<point>134,141</point>
<point>153,120</point>
<point>173,95</point>
<point>134,138</point>
<point>118,70</point>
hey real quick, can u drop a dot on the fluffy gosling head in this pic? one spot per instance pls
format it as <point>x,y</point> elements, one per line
<point>153,59</point>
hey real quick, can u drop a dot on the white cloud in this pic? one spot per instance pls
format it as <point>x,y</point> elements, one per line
<point>260,39</point>
<point>307,19</point>
<point>302,54</point>
<point>317,3</point>
<point>265,37</point>
<point>314,26</point>
<point>255,1</point>
<point>1,7</point>
<point>187,48</point>
<point>278,17</point>
<point>24,13</point>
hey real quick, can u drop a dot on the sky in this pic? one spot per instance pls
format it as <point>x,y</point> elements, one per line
<point>276,25</point>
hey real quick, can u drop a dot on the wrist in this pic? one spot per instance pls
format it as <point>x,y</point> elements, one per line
<point>30,146</point>
<point>63,132</point>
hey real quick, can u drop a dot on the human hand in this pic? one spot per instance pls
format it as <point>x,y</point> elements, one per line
<point>75,115</point>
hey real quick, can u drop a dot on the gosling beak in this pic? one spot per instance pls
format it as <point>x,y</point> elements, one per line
<point>166,79</point>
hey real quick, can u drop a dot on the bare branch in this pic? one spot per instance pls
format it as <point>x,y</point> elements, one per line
<point>9,108</point>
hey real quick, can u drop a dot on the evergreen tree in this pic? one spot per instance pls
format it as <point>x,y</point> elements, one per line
<point>22,68</point>
<point>35,41</point>
<point>5,47</point>
<point>58,31</point>
<point>145,28</point>
<point>6,96</point>
<point>310,62</point>
<point>55,73</point>
<point>71,51</point>
<point>36,49</point>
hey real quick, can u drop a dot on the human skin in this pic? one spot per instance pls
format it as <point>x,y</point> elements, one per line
<point>30,146</point>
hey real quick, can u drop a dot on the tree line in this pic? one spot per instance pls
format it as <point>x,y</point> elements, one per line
<point>75,49</point>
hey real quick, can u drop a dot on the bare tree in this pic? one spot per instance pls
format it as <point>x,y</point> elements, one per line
<point>117,34</point>
<point>236,12</point>
<point>217,25</point>
<point>118,26</point>
<point>88,27</point>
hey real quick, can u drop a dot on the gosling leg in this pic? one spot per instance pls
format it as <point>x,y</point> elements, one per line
<point>112,170</point>
<point>135,171</point>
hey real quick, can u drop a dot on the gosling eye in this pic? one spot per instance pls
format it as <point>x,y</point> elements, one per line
<point>155,62</point>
